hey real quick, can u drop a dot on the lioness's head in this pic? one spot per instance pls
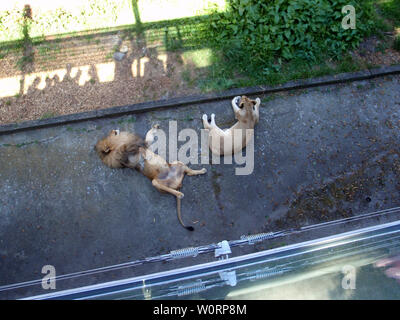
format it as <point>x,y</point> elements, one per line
<point>247,109</point>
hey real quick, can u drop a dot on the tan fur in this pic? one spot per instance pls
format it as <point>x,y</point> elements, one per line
<point>123,149</point>
<point>116,149</point>
<point>223,142</point>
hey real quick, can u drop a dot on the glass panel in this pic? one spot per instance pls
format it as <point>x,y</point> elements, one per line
<point>337,267</point>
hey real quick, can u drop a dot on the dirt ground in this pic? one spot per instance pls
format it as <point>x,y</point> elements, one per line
<point>81,74</point>
<point>377,52</point>
<point>78,75</point>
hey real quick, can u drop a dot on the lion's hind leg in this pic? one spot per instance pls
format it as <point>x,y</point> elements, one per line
<point>191,172</point>
<point>158,185</point>
<point>187,170</point>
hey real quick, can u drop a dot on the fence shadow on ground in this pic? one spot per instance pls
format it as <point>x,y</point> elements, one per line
<point>86,70</point>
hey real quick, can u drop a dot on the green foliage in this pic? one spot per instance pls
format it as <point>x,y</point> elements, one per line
<point>396,43</point>
<point>48,115</point>
<point>391,10</point>
<point>257,35</point>
<point>24,60</point>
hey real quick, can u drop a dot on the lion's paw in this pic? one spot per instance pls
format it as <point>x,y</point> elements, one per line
<point>180,195</point>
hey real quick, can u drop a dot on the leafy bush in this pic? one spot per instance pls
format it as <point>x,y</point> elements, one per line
<point>396,43</point>
<point>260,33</point>
<point>391,10</point>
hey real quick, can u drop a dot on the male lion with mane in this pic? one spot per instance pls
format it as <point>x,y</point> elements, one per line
<point>124,149</point>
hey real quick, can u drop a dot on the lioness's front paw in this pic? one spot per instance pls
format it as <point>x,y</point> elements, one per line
<point>180,195</point>
<point>205,117</point>
<point>204,170</point>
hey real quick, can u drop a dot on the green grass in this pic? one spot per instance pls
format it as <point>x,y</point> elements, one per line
<point>131,119</point>
<point>188,78</point>
<point>381,47</point>
<point>396,43</point>
<point>47,115</point>
<point>390,9</point>
<point>228,69</point>
<point>48,48</point>
<point>47,51</point>
<point>221,76</point>
<point>23,61</point>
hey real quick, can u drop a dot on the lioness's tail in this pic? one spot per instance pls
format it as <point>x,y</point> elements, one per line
<point>178,208</point>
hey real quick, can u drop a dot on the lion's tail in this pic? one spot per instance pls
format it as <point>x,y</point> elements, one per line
<point>178,208</point>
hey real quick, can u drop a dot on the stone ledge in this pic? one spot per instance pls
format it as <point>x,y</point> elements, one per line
<point>197,99</point>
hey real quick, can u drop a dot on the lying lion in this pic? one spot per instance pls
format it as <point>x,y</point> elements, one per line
<point>234,139</point>
<point>124,149</point>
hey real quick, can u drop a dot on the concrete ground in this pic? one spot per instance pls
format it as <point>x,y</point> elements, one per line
<point>320,154</point>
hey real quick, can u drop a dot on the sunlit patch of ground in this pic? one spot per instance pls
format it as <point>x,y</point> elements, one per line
<point>58,16</point>
<point>78,72</point>
<point>81,74</point>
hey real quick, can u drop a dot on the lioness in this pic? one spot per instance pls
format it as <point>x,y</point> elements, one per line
<point>234,139</point>
<point>124,149</point>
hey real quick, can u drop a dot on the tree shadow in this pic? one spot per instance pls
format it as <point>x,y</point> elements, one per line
<point>81,72</point>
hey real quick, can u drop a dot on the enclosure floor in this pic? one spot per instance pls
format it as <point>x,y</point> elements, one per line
<point>320,154</point>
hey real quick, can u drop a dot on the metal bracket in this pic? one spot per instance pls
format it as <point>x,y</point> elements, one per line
<point>229,277</point>
<point>222,253</point>
<point>224,249</point>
